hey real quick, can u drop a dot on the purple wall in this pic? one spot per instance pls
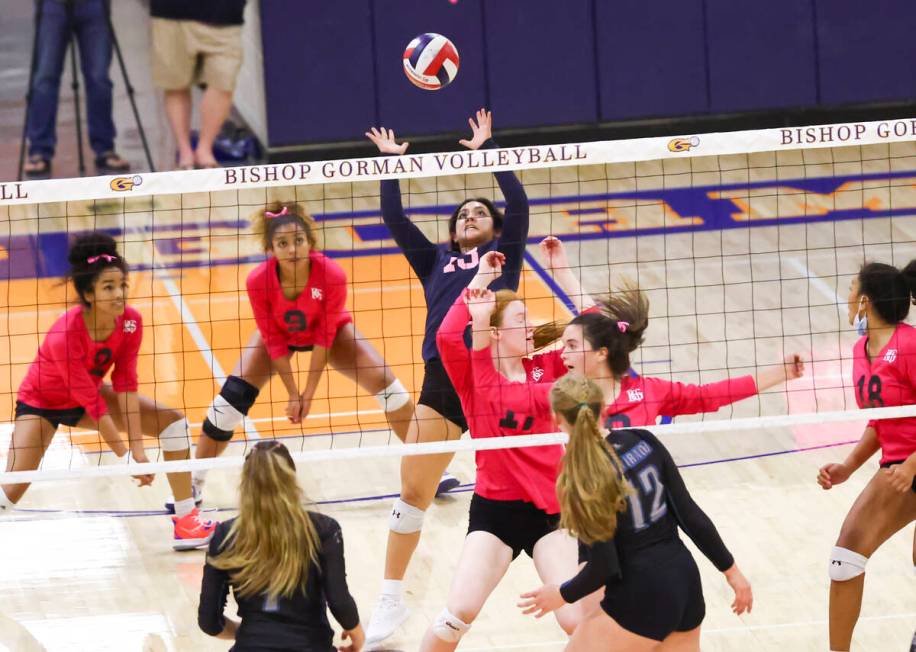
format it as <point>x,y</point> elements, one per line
<point>333,68</point>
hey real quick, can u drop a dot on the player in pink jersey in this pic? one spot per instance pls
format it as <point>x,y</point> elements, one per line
<point>64,385</point>
<point>884,375</point>
<point>298,296</point>
<point>598,343</point>
<point>514,506</point>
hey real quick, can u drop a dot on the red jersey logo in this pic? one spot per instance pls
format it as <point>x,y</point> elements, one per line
<point>891,355</point>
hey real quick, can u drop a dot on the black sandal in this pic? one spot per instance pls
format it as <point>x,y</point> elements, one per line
<point>37,167</point>
<point>111,163</point>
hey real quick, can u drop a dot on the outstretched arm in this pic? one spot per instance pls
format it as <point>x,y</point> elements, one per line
<point>514,235</point>
<point>420,252</point>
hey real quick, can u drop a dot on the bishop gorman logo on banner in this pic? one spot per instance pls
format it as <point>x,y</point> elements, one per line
<point>122,184</point>
<point>683,144</point>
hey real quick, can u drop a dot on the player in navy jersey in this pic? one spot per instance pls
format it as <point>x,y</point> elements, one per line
<point>298,296</point>
<point>64,385</point>
<point>598,343</point>
<point>475,227</point>
<point>884,375</point>
<point>625,499</point>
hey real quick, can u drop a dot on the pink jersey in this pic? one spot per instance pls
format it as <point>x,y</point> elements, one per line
<point>313,317</point>
<point>643,399</point>
<point>885,381</point>
<point>70,366</point>
<point>497,407</point>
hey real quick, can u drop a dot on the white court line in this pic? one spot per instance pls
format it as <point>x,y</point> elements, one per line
<point>189,322</point>
<point>708,630</point>
<point>828,292</point>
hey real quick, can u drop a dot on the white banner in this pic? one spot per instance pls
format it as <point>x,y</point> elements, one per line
<point>463,162</point>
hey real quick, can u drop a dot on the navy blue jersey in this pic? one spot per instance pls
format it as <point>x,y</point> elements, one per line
<point>649,525</point>
<point>444,272</point>
<point>299,622</point>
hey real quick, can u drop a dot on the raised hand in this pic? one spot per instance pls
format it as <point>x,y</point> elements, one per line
<point>481,304</point>
<point>384,140</point>
<point>482,130</point>
<point>554,253</point>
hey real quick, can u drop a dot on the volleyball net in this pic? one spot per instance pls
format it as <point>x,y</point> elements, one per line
<point>744,242</point>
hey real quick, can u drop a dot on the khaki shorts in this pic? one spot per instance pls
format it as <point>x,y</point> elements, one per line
<point>186,52</point>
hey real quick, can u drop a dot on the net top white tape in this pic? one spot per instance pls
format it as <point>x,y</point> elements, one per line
<point>485,443</point>
<point>463,162</point>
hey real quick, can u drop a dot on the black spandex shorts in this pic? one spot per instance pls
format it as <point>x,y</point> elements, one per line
<point>68,417</point>
<point>439,393</point>
<point>300,349</point>
<point>890,464</point>
<point>516,523</point>
<point>660,593</point>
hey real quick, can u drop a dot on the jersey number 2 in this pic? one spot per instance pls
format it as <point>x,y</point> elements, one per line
<point>101,360</point>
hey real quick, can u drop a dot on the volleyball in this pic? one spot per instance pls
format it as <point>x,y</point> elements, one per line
<point>431,61</point>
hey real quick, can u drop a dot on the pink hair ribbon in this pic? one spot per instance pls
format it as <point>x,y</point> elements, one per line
<point>285,211</point>
<point>107,257</point>
<point>622,326</point>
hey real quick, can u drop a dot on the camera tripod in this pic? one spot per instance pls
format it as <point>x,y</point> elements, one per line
<point>75,85</point>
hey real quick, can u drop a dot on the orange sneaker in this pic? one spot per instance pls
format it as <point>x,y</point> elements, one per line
<point>191,531</point>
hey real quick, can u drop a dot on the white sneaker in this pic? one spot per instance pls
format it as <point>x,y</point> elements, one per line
<point>389,614</point>
<point>446,483</point>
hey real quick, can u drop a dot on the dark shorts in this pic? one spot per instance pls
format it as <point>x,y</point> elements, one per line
<point>658,594</point>
<point>300,349</point>
<point>439,393</point>
<point>516,523</point>
<point>887,465</point>
<point>68,417</point>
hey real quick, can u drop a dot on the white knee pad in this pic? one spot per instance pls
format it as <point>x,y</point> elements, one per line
<point>846,564</point>
<point>449,628</point>
<point>405,519</point>
<point>393,397</point>
<point>175,438</point>
<point>223,414</point>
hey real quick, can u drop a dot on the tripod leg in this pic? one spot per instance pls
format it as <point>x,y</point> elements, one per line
<point>130,89</point>
<point>28,94</point>
<point>76,106</point>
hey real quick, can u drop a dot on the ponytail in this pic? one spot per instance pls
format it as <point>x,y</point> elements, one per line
<point>591,486</point>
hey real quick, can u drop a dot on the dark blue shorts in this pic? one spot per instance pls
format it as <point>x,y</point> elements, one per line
<point>67,417</point>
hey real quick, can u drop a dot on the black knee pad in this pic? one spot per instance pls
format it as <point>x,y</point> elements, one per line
<point>239,394</point>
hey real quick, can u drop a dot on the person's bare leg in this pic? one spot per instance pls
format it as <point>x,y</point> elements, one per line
<point>483,563</point>
<point>178,111</point>
<point>214,109</point>
<point>878,513</point>
<point>31,437</point>
<point>556,560</point>
<point>155,420</point>
<point>354,357</point>
<point>255,369</point>
<point>420,475</point>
